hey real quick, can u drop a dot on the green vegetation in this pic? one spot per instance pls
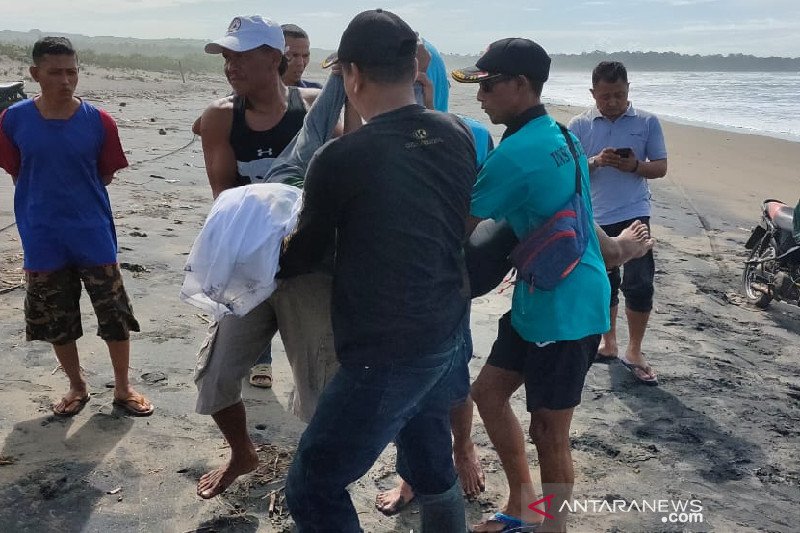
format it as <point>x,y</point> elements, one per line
<point>193,62</point>
<point>162,55</point>
<point>17,53</point>
<point>670,61</point>
<point>190,62</point>
<point>658,61</point>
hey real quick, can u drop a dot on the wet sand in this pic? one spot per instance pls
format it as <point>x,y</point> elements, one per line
<point>721,428</point>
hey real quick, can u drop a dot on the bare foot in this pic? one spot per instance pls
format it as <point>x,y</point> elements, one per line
<point>469,471</point>
<point>634,241</point>
<point>607,348</point>
<point>215,482</point>
<point>393,501</point>
<point>72,403</point>
<point>604,352</point>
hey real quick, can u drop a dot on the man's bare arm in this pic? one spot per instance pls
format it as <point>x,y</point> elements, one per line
<point>215,130</point>
<point>652,169</point>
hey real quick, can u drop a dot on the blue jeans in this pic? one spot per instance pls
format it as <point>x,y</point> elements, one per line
<point>362,410</point>
<point>266,356</point>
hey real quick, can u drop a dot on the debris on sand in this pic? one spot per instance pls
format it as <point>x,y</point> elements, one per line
<point>133,267</point>
<point>267,482</point>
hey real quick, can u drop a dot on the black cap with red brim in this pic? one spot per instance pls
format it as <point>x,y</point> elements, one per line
<point>513,56</point>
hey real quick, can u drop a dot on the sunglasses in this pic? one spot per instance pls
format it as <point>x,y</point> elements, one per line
<point>488,84</point>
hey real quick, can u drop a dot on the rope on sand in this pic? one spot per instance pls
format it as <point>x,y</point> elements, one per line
<point>162,156</point>
<point>708,229</point>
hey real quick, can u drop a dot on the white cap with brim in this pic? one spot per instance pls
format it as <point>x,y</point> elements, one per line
<point>248,33</point>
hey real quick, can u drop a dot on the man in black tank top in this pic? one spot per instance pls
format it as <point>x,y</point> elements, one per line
<point>241,136</point>
<point>256,150</point>
<point>263,115</point>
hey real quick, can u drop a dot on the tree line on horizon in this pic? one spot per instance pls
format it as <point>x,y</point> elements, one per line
<point>672,61</point>
<point>161,55</point>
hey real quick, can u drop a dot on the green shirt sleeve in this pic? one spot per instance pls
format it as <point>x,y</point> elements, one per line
<point>500,189</point>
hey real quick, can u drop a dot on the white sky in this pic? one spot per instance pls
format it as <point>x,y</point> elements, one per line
<point>758,27</point>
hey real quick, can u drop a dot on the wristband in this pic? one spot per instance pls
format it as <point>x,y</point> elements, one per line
<point>636,167</point>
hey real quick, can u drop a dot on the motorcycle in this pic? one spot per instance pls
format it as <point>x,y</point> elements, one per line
<point>772,271</point>
<point>11,93</point>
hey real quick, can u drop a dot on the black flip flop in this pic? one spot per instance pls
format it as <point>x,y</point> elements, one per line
<point>633,367</point>
<point>604,359</point>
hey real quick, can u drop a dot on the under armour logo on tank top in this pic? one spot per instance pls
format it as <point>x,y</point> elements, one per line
<point>256,151</point>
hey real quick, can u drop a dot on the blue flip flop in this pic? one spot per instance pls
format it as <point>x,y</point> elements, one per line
<point>512,524</point>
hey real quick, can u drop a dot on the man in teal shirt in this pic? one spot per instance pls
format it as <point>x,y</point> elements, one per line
<point>549,338</point>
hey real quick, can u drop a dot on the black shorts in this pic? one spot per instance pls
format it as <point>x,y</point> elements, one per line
<point>554,373</point>
<point>636,280</point>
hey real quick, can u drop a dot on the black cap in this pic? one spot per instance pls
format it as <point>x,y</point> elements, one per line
<point>375,37</point>
<point>514,56</point>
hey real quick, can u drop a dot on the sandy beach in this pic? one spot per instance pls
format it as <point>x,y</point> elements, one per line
<point>723,427</point>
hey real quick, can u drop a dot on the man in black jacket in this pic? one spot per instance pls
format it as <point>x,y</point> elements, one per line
<point>399,297</point>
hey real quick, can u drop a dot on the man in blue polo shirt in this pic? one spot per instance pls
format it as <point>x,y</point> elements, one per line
<point>549,338</point>
<point>627,149</point>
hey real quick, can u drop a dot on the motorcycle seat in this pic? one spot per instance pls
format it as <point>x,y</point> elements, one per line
<point>782,216</point>
<point>12,86</point>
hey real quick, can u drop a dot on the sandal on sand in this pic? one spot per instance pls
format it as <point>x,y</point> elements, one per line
<point>633,367</point>
<point>71,408</point>
<point>604,359</point>
<point>135,405</point>
<point>511,524</point>
<point>261,376</point>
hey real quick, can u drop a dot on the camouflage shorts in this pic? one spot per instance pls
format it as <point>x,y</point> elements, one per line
<point>52,304</point>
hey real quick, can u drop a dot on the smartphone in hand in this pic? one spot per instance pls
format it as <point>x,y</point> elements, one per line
<point>623,152</point>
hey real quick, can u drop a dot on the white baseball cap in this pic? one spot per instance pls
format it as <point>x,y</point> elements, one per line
<point>248,33</point>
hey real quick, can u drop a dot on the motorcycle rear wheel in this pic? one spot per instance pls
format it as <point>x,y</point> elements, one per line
<point>760,298</point>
